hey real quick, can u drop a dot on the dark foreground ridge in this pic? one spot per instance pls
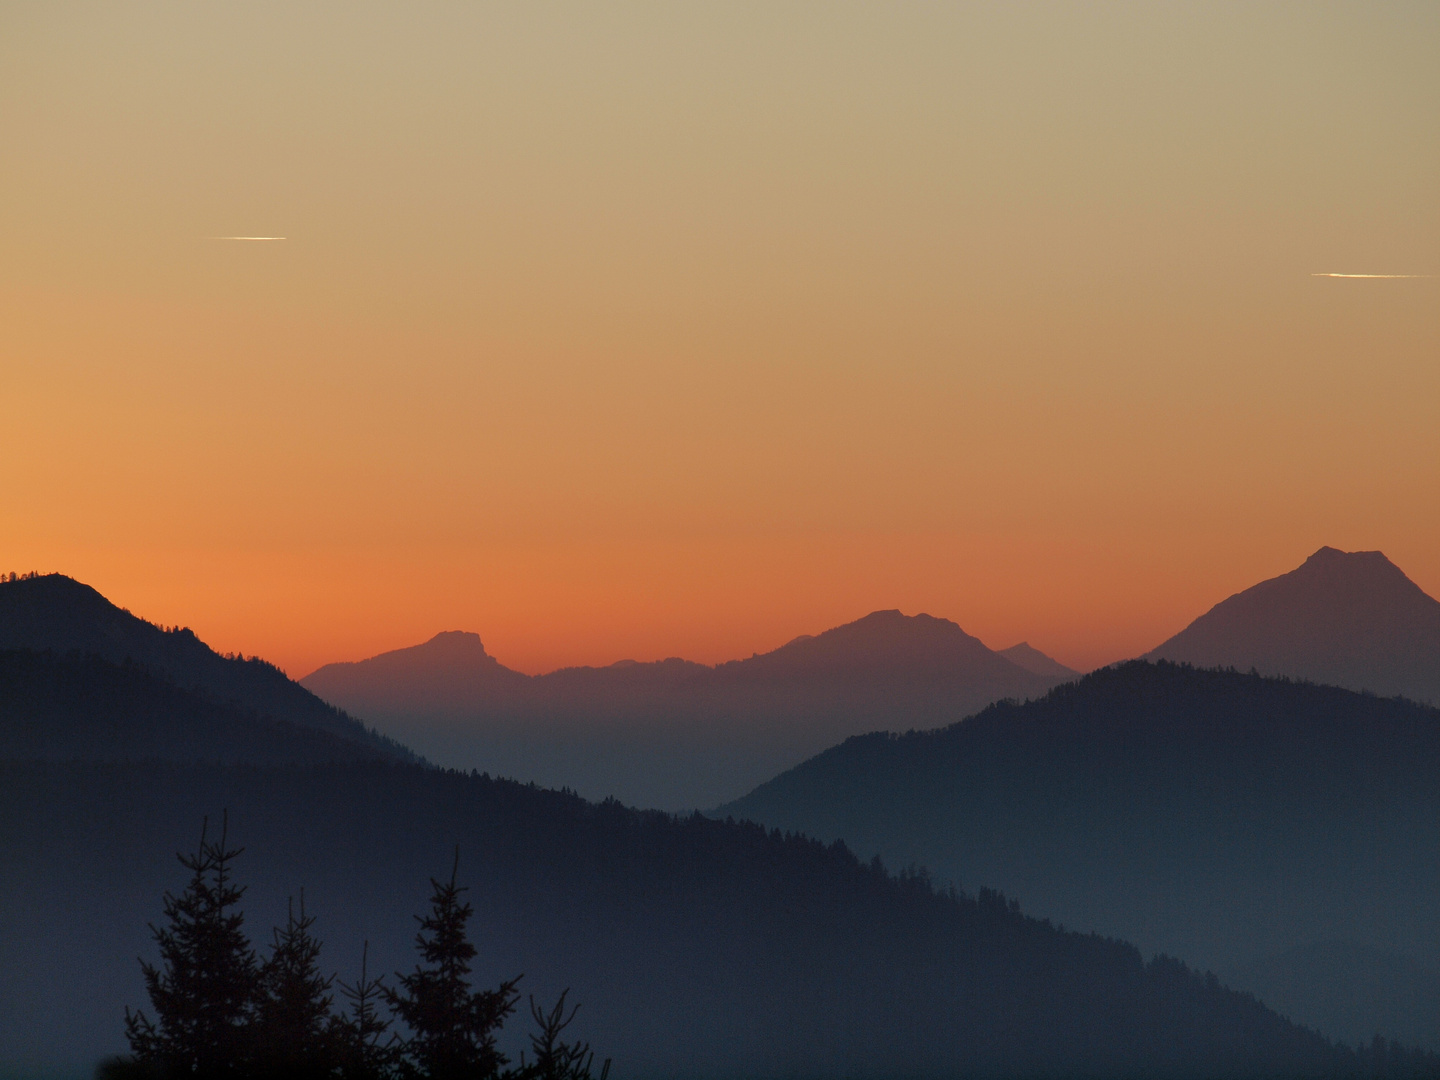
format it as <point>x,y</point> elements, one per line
<point>81,707</point>
<point>55,613</point>
<point>700,947</point>
<point>1239,821</point>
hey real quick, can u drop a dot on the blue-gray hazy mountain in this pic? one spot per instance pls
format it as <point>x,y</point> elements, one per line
<point>57,614</point>
<point>1218,816</point>
<point>673,734</point>
<point>1348,619</point>
<point>1346,988</point>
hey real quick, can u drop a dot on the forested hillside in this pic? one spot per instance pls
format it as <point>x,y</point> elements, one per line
<point>698,947</point>
<point>1223,817</point>
<point>84,708</point>
<point>55,613</point>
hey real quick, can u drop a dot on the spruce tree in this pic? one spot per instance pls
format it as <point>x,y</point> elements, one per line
<point>366,1047</point>
<point>453,1027</point>
<point>293,1028</point>
<point>204,988</point>
<point>555,1059</point>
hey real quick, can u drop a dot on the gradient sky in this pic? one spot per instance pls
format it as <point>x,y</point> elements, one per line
<point>651,329</point>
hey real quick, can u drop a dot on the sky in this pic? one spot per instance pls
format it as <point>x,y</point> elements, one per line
<point>637,330</point>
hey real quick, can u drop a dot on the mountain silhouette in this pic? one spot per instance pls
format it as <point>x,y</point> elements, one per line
<point>1349,619</point>
<point>58,614</point>
<point>673,734</point>
<point>884,646</point>
<point>451,668</point>
<point>699,947</point>
<point>1032,659</point>
<point>1215,815</point>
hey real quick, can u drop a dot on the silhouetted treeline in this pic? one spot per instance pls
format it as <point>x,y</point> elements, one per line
<point>704,947</point>
<point>219,1012</point>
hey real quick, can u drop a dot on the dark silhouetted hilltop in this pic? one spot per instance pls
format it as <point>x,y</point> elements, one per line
<point>1349,619</point>
<point>1214,815</point>
<point>59,614</point>
<point>674,734</point>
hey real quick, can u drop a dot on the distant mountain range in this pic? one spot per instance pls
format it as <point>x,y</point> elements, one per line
<point>697,947</point>
<point>674,734</point>
<point>1216,815</point>
<point>1348,619</point>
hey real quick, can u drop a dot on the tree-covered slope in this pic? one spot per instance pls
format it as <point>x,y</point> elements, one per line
<point>56,613</point>
<point>698,947</point>
<point>81,707</point>
<point>1219,816</point>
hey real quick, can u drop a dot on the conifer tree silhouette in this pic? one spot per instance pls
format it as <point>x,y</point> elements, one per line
<point>453,1028</point>
<point>203,990</point>
<point>365,1052</point>
<point>556,1059</point>
<point>293,1030</point>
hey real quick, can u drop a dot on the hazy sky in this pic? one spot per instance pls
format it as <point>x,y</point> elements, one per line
<point>647,329</point>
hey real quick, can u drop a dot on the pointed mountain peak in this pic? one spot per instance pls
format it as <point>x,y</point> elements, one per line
<point>1351,618</point>
<point>1334,557</point>
<point>1332,562</point>
<point>1033,660</point>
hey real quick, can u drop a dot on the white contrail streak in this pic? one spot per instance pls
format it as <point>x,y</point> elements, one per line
<point>245,238</point>
<point>1376,275</point>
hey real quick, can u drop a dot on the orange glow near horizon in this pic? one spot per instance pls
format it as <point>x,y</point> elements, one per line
<point>673,330</point>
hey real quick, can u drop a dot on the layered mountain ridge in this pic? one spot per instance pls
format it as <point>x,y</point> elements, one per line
<point>674,734</point>
<point>698,947</point>
<point>1211,814</point>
